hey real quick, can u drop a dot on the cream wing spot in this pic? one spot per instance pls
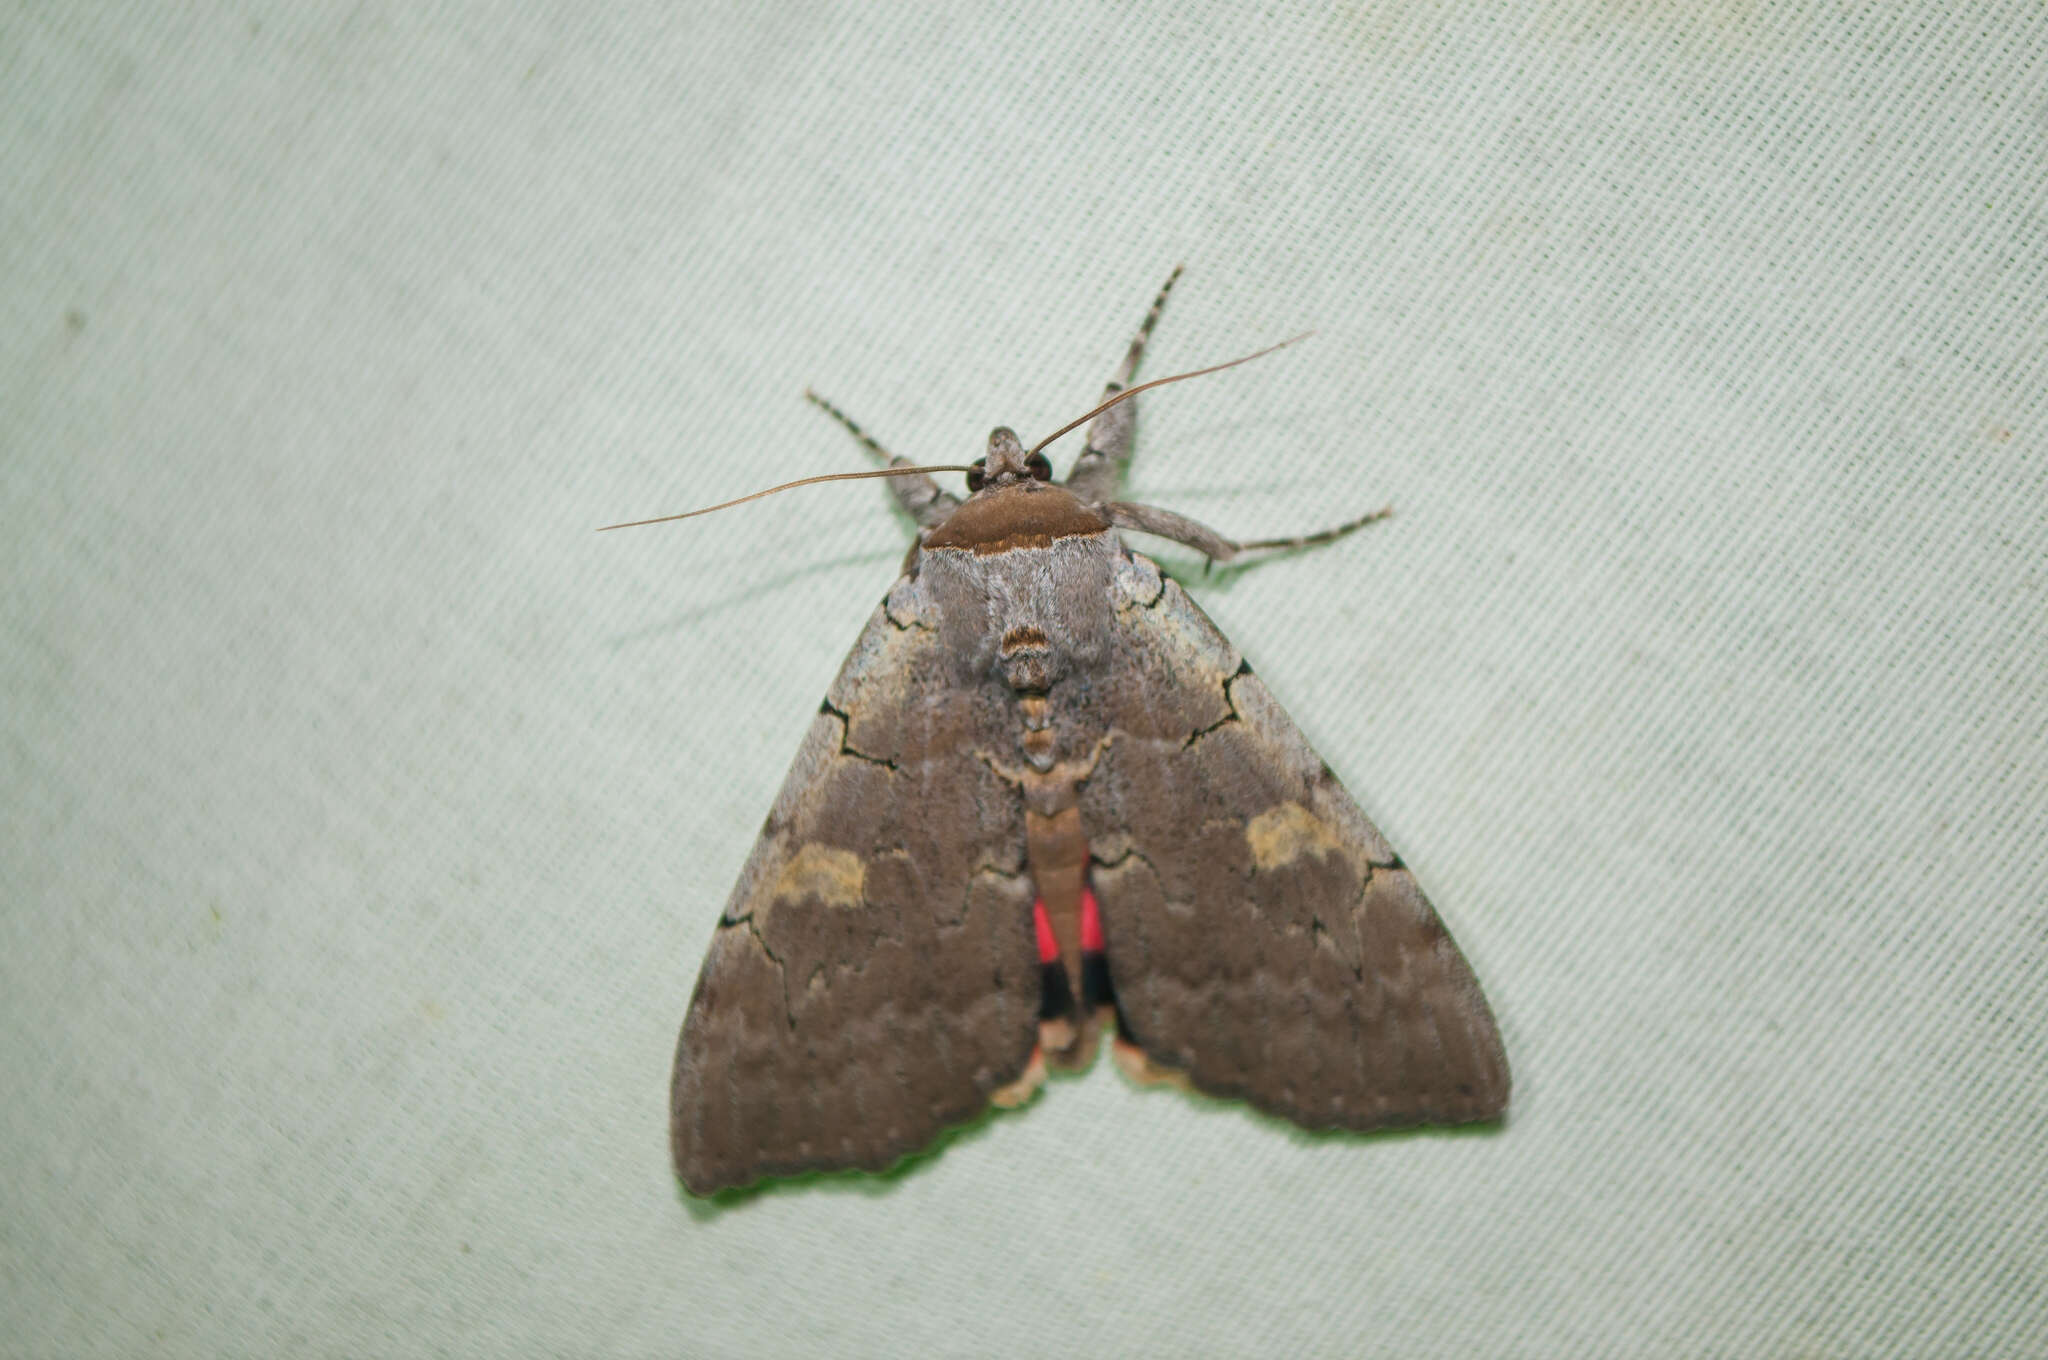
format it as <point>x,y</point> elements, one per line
<point>1286,832</point>
<point>833,876</point>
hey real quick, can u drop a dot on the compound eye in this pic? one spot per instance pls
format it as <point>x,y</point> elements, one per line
<point>977,474</point>
<point>1038,467</point>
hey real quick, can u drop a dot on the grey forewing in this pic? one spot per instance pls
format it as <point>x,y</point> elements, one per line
<point>872,979</point>
<point>1263,937</point>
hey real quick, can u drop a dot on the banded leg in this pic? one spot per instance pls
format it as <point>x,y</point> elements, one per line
<point>919,496</point>
<point>1150,519</point>
<point>1099,471</point>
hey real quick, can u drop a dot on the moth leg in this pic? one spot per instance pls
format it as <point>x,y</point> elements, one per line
<point>1023,1088</point>
<point>1100,469</point>
<point>1067,1026</point>
<point>1150,519</point>
<point>1137,1065</point>
<point>919,496</point>
<point>1056,1032</point>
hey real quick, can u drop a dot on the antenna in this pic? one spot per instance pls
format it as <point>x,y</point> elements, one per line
<point>1130,392</point>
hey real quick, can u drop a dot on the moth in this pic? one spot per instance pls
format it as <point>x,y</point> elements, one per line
<point>1044,798</point>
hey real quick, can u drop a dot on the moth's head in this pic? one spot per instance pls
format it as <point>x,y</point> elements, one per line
<point>1016,504</point>
<point>1006,462</point>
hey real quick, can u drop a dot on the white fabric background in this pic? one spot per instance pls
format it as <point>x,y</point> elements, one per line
<point>366,814</point>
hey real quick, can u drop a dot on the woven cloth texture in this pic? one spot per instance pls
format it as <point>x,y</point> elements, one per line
<point>366,815</point>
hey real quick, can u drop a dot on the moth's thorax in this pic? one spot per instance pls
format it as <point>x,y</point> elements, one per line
<point>1028,632</point>
<point>1021,514</point>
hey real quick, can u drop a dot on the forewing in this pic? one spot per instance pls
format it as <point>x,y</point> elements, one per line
<point>873,977</point>
<point>1262,936</point>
